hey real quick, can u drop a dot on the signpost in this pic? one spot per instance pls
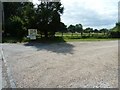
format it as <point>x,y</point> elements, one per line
<point>32,33</point>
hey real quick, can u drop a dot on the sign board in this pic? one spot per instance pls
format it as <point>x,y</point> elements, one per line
<point>32,33</point>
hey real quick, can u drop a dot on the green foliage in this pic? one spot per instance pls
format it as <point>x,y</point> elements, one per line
<point>88,30</point>
<point>71,28</point>
<point>76,28</point>
<point>15,24</point>
<point>115,32</point>
<point>79,28</point>
<point>23,15</point>
<point>95,31</point>
<point>48,17</point>
<point>62,28</point>
<point>15,27</point>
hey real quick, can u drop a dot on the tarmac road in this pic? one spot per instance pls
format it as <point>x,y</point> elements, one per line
<point>63,65</point>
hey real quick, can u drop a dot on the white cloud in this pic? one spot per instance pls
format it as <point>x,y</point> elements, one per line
<point>92,13</point>
<point>35,1</point>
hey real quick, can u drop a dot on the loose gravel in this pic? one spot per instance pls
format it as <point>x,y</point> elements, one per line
<point>64,65</point>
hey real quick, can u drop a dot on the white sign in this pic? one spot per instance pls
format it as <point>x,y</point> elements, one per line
<point>32,33</point>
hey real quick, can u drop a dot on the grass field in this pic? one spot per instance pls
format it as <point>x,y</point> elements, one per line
<point>78,34</point>
<point>66,37</point>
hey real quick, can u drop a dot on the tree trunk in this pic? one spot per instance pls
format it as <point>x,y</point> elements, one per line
<point>89,34</point>
<point>72,34</point>
<point>53,35</point>
<point>46,34</point>
<point>62,34</point>
<point>104,33</point>
<point>81,34</point>
<point>41,35</point>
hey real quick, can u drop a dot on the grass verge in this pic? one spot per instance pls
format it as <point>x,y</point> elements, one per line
<point>56,39</point>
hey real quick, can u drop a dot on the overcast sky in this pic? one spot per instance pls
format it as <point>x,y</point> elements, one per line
<point>90,13</point>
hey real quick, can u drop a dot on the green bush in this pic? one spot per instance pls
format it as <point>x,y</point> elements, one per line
<point>115,34</point>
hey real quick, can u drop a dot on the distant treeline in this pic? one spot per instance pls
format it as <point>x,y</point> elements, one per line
<point>106,33</point>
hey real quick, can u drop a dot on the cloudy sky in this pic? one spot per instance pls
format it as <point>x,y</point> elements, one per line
<point>90,13</point>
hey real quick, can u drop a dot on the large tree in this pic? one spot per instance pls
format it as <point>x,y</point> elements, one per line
<point>20,16</point>
<point>104,30</point>
<point>115,32</point>
<point>71,29</point>
<point>62,28</point>
<point>17,17</point>
<point>48,17</point>
<point>88,30</point>
<point>79,28</point>
<point>10,10</point>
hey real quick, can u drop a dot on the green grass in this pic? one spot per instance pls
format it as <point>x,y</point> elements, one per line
<point>87,39</point>
<point>78,34</point>
<point>58,39</point>
<point>77,37</point>
<point>66,38</point>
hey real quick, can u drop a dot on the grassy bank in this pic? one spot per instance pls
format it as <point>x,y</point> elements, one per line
<point>88,39</point>
<point>57,39</point>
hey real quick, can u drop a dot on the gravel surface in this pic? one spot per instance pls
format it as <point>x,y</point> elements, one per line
<point>0,72</point>
<point>64,65</point>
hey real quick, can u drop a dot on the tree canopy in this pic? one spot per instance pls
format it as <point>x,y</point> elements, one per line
<point>21,16</point>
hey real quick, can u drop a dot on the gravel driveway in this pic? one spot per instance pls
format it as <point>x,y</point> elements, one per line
<point>66,65</point>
